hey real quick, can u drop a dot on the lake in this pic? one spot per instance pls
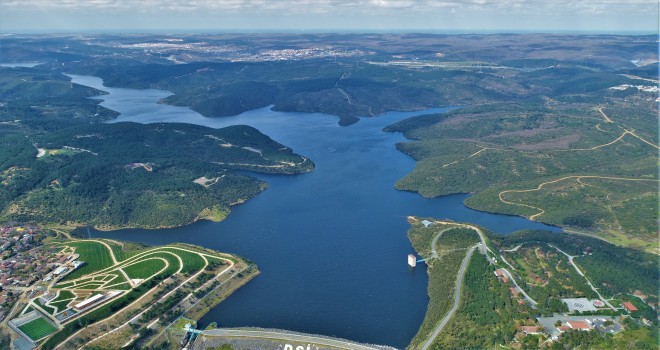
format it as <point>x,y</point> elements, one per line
<point>331,244</point>
<point>20,64</point>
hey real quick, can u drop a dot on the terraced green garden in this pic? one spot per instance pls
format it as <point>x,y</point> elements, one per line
<point>109,265</point>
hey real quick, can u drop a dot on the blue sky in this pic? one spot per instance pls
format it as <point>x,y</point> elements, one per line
<point>612,16</point>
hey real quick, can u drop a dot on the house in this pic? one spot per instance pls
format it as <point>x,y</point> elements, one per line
<point>629,306</point>
<point>581,325</point>
<point>532,329</point>
<point>514,291</point>
<point>501,275</point>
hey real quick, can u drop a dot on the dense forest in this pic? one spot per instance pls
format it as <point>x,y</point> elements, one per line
<point>34,100</point>
<point>60,163</point>
<point>487,316</point>
<point>128,174</point>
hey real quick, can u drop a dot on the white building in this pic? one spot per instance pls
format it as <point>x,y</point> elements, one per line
<point>412,260</point>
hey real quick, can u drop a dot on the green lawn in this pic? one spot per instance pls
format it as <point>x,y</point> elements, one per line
<point>144,269</point>
<point>64,295</point>
<point>61,305</point>
<point>37,328</point>
<point>48,309</point>
<point>192,262</point>
<point>122,253</point>
<point>95,255</point>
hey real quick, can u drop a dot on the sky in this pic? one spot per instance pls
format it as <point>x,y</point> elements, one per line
<point>603,16</point>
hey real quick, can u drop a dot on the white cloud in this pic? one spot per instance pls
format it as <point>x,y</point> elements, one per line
<point>587,6</point>
<point>392,3</point>
<point>418,14</point>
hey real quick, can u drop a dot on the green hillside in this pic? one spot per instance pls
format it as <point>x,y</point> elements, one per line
<point>136,175</point>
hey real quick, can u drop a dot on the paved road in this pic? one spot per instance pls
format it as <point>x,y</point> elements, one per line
<point>570,260</point>
<point>457,299</point>
<point>434,253</point>
<point>287,337</point>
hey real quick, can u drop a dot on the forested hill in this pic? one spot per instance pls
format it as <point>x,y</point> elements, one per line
<point>136,175</point>
<point>34,100</point>
<point>587,162</point>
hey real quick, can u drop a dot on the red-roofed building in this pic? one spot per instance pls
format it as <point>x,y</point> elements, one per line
<point>514,291</point>
<point>501,276</point>
<point>532,329</point>
<point>629,306</point>
<point>579,325</point>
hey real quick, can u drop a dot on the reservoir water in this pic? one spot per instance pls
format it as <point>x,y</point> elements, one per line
<point>331,244</point>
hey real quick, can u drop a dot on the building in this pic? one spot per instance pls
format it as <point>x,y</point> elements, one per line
<point>88,302</point>
<point>60,270</point>
<point>629,306</point>
<point>501,276</point>
<point>563,329</point>
<point>581,325</point>
<point>412,260</point>
<point>532,329</point>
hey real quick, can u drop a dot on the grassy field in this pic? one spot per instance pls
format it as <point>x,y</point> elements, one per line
<point>63,295</point>
<point>62,300</point>
<point>46,308</point>
<point>37,328</point>
<point>124,250</point>
<point>144,269</point>
<point>194,261</point>
<point>95,256</point>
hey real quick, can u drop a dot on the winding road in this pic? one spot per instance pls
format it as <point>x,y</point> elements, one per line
<point>457,298</point>
<point>434,253</point>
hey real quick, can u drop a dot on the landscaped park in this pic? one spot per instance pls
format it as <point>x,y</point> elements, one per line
<point>108,292</point>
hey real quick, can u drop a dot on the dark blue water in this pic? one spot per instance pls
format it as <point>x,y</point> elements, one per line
<point>331,244</point>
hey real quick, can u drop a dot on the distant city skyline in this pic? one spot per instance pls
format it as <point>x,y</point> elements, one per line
<point>603,16</point>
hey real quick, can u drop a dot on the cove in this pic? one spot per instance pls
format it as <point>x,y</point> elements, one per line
<point>331,244</point>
